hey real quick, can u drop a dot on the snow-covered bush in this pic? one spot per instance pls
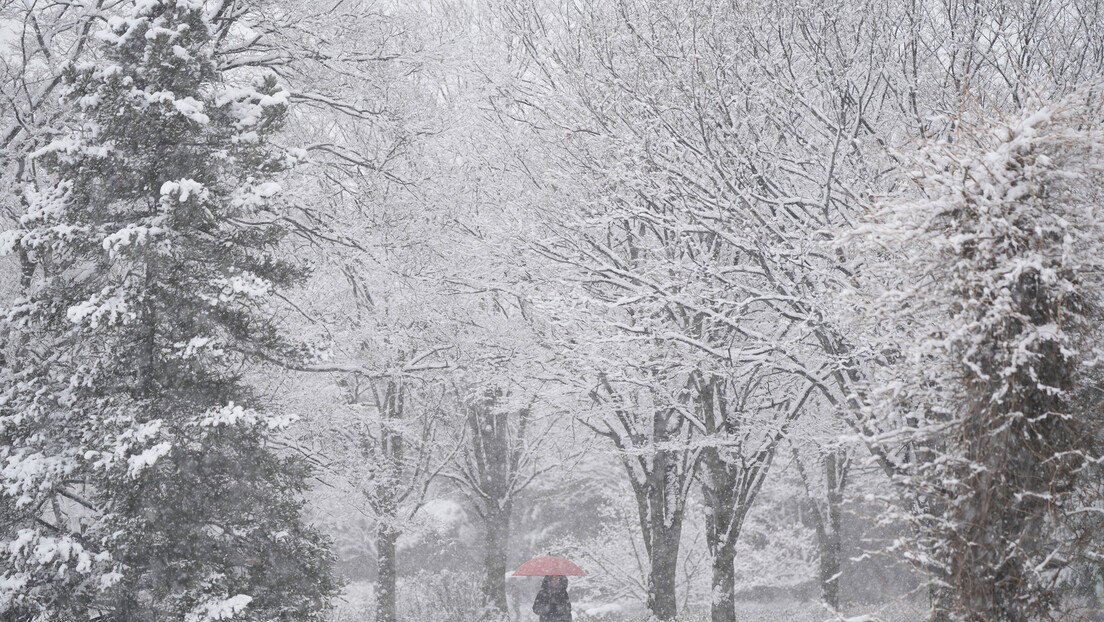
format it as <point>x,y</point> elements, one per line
<point>422,597</point>
<point>442,596</point>
<point>356,603</point>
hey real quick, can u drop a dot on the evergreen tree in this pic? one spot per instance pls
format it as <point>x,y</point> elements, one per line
<point>136,478</point>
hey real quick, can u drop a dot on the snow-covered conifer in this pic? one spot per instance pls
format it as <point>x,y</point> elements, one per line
<point>137,478</point>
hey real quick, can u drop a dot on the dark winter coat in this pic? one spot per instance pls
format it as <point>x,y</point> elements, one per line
<point>552,603</point>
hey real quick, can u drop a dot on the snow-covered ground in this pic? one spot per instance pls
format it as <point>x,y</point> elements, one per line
<point>434,603</point>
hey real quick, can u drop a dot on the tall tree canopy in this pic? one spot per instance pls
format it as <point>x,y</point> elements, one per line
<point>138,482</point>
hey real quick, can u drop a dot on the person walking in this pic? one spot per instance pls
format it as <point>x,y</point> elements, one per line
<point>552,603</point>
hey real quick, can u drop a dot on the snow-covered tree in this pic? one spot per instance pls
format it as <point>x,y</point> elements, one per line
<point>50,37</point>
<point>652,438</point>
<point>138,471</point>
<point>497,462</point>
<point>833,465</point>
<point>697,187</point>
<point>995,311</point>
<point>415,303</point>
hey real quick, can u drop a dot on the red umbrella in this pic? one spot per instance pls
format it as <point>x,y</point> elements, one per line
<point>541,566</point>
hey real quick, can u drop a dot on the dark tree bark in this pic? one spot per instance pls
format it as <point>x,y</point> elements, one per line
<point>661,523</point>
<point>386,536</point>
<point>496,540</point>
<point>387,495</point>
<point>828,530</point>
<point>724,515</point>
<point>827,517</point>
<point>723,522</point>
<point>733,469</point>
<point>653,443</point>
<point>495,466</point>
<point>724,584</point>
<point>400,471</point>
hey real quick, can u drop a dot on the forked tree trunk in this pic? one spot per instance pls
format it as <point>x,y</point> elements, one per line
<point>725,515</point>
<point>490,473</point>
<point>828,520</point>
<point>661,524</point>
<point>730,482</point>
<point>660,466</point>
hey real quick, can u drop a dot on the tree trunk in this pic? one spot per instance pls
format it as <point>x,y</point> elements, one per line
<point>661,501</point>
<point>497,531</point>
<point>830,570</point>
<point>829,535</point>
<point>723,606</point>
<point>728,488</point>
<point>827,520</point>
<point>718,495</point>
<point>490,470</point>
<point>664,530</point>
<point>940,597</point>
<point>386,536</point>
<point>660,476</point>
<point>392,449</point>
<point>662,597</point>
